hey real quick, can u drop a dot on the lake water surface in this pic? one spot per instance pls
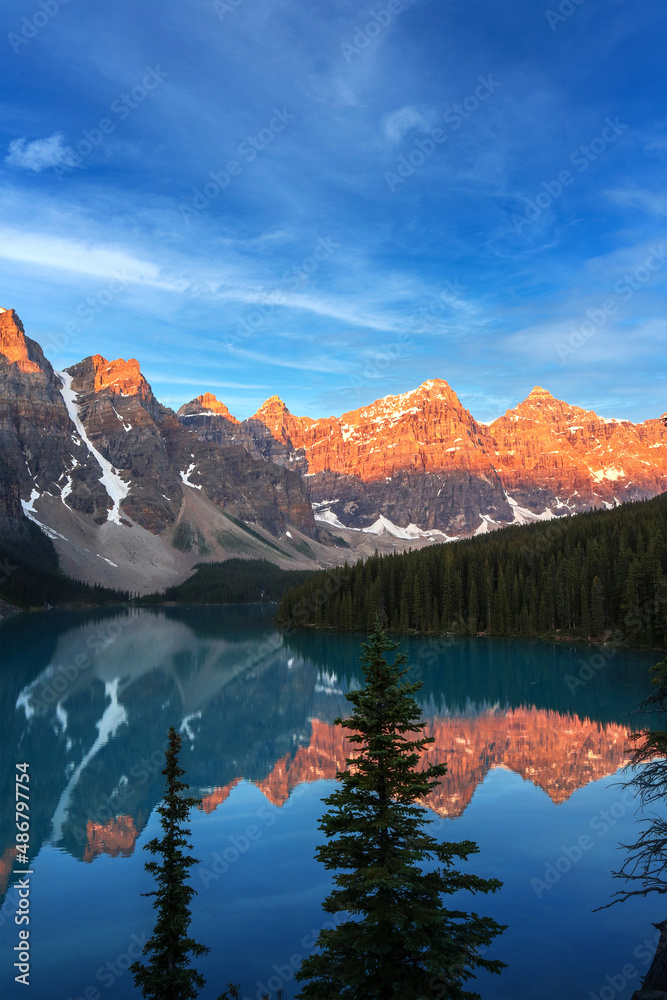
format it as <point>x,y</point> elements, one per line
<point>533,734</point>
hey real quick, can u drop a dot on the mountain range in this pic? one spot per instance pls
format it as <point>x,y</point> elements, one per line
<point>133,494</point>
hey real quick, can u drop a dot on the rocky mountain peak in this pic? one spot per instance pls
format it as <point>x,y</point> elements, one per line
<point>119,377</point>
<point>435,387</point>
<point>16,347</point>
<point>538,397</point>
<point>541,406</point>
<point>282,424</point>
<point>428,396</point>
<point>206,403</point>
<point>273,404</point>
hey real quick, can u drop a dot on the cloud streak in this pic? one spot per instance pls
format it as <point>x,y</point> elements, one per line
<point>40,154</point>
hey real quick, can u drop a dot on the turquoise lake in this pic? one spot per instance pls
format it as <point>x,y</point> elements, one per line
<point>534,735</point>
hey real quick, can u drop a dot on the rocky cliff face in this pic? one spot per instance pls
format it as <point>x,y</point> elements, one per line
<point>158,457</point>
<point>38,440</point>
<point>549,449</point>
<point>92,457</point>
<point>210,420</point>
<point>205,405</point>
<point>422,459</point>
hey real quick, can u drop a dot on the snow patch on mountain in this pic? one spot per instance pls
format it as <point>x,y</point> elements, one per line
<point>384,526</point>
<point>29,505</point>
<point>116,487</point>
<point>185,476</point>
<point>29,511</point>
<point>67,488</point>
<point>329,517</point>
<point>488,524</point>
<point>611,473</point>
<point>522,515</point>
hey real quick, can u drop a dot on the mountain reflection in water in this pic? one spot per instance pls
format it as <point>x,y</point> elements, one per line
<point>89,700</point>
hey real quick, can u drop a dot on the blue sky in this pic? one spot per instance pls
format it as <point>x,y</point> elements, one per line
<point>337,201</point>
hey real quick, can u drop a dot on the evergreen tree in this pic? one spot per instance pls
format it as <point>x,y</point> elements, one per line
<point>597,606</point>
<point>167,974</point>
<point>598,573</point>
<point>473,609</point>
<point>399,942</point>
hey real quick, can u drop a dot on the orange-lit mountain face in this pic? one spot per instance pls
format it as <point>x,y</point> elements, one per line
<point>557,753</point>
<point>543,441</point>
<point>204,405</point>
<point>426,430</point>
<point>119,377</point>
<point>548,447</point>
<point>16,348</point>
<point>422,460</point>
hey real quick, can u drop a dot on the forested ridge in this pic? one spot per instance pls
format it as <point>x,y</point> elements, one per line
<point>235,581</point>
<point>601,575</point>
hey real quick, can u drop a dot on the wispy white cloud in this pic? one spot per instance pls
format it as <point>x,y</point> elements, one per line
<point>214,383</point>
<point>321,364</point>
<point>40,154</point>
<point>398,123</point>
<point>233,284</point>
<point>652,202</point>
<point>81,257</point>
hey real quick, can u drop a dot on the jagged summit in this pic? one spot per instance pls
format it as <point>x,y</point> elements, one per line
<point>206,403</point>
<point>273,404</point>
<point>119,377</point>
<point>16,347</point>
<point>538,395</point>
<point>434,388</point>
<point>539,404</point>
<point>282,424</point>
